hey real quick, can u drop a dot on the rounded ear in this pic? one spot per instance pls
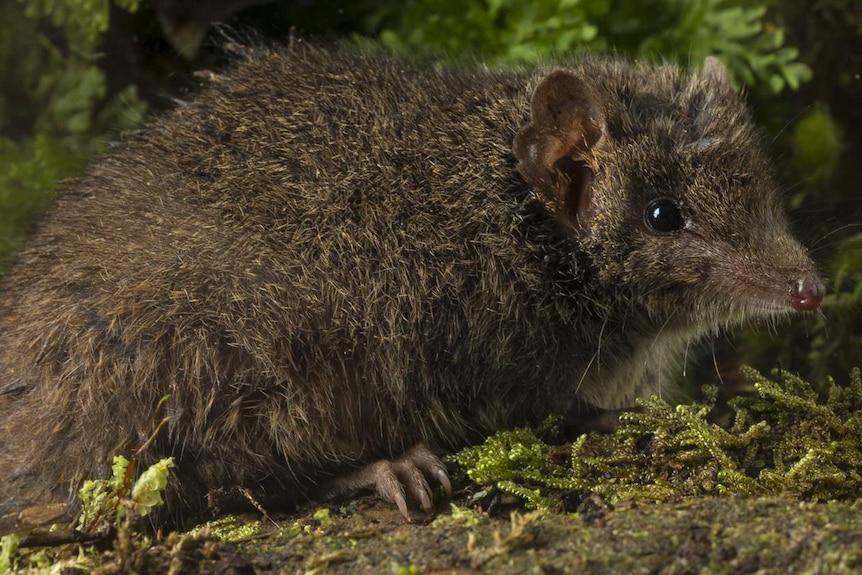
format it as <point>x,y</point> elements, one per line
<point>566,121</point>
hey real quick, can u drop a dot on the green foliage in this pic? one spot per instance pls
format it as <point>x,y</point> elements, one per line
<point>55,102</point>
<point>501,31</point>
<point>83,20</point>
<point>737,32</point>
<point>147,490</point>
<point>817,144</point>
<point>8,549</point>
<point>28,171</point>
<point>18,558</point>
<point>517,462</point>
<point>107,506</point>
<point>119,497</point>
<point>514,32</point>
<point>787,440</point>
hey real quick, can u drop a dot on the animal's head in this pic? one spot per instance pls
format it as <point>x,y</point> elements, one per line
<point>662,179</point>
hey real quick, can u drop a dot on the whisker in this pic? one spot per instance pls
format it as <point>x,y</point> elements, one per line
<point>598,355</point>
<point>586,371</point>
<point>715,365</point>
<point>789,123</point>
<point>841,229</point>
<point>685,358</point>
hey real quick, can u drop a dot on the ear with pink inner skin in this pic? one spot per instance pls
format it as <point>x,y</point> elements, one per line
<point>566,123</point>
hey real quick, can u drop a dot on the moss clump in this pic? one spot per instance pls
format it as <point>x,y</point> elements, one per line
<point>120,497</point>
<point>229,528</point>
<point>789,439</point>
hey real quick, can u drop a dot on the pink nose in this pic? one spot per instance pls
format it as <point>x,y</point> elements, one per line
<point>806,292</point>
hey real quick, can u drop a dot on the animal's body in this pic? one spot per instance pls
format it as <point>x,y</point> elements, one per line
<point>326,258</point>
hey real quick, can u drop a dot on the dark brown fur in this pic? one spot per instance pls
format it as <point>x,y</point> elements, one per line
<point>326,258</point>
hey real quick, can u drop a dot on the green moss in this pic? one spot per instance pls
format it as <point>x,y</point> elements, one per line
<point>789,439</point>
<point>118,496</point>
<point>8,549</point>
<point>230,528</point>
<point>323,516</point>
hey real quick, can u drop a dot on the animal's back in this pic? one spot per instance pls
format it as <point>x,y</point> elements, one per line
<point>288,256</point>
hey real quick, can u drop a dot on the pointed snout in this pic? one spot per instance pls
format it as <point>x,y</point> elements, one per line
<point>806,292</point>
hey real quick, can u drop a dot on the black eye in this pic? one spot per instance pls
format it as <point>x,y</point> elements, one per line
<point>663,215</point>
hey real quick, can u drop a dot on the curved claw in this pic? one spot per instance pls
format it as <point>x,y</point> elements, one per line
<point>443,478</point>
<point>397,481</point>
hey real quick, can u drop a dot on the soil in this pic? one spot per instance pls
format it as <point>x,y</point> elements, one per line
<point>705,535</point>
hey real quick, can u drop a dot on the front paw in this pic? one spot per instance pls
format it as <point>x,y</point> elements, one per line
<point>406,478</point>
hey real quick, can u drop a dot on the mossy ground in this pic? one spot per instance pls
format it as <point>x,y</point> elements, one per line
<point>791,438</point>
<point>693,535</point>
<point>773,490</point>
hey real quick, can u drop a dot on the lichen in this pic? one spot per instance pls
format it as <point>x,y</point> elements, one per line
<point>788,439</point>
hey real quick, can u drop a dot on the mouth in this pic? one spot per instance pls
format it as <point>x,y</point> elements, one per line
<point>739,309</point>
<point>773,292</point>
<point>802,294</point>
<point>755,310</point>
